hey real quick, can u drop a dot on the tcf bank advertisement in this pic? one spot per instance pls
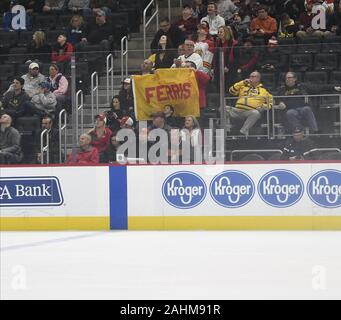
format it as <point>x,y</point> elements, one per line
<point>54,192</point>
<point>251,190</point>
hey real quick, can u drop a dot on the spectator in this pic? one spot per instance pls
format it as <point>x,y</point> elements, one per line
<point>146,67</point>
<point>76,31</point>
<point>81,6</point>
<point>107,6</point>
<point>53,135</point>
<point>127,123</point>
<point>213,18</point>
<point>191,134</point>
<point>126,97</point>
<point>297,145</point>
<point>204,47</point>
<point>86,155</point>
<point>248,58</point>
<point>240,25</point>
<point>334,21</point>
<point>297,109</point>
<point>199,9</point>
<point>226,9</point>
<point>114,114</point>
<point>305,23</point>
<point>59,84</point>
<point>270,59</point>
<point>171,120</point>
<point>253,100</point>
<point>61,53</point>
<point>44,102</point>
<point>33,6</point>
<point>173,33</point>
<point>100,134</point>
<point>101,32</point>
<point>10,150</point>
<point>263,26</point>
<point>165,55</point>
<point>56,6</point>
<point>189,55</point>
<point>288,27</point>
<point>181,50</point>
<point>14,102</point>
<point>109,155</point>
<point>187,23</point>
<point>38,50</point>
<point>32,80</point>
<point>226,41</point>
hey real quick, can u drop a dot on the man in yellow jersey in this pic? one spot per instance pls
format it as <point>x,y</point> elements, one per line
<point>253,100</point>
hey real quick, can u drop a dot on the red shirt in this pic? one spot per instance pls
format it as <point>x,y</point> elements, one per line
<point>202,80</point>
<point>89,157</point>
<point>102,143</point>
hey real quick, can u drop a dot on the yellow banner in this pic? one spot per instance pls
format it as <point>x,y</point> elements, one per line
<point>175,87</point>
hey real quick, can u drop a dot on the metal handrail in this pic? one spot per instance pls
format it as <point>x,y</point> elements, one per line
<point>62,128</point>
<point>322,149</point>
<point>79,107</point>
<point>45,148</point>
<point>124,58</point>
<point>147,23</point>
<point>110,75</point>
<point>255,151</point>
<point>94,93</point>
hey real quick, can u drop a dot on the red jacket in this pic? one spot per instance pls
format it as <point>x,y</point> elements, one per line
<point>202,80</point>
<point>89,157</point>
<point>102,143</point>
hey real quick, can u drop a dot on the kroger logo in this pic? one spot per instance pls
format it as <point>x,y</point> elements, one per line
<point>281,188</point>
<point>324,188</point>
<point>232,189</point>
<point>30,191</point>
<point>184,190</point>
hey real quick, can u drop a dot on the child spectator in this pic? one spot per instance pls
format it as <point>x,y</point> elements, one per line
<point>61,53</point>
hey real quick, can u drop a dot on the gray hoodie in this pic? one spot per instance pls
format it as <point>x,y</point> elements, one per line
<point>45,101</point>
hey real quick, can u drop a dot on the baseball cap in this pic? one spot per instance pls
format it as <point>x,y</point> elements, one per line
<point>126,121</point>
<point>100,13</point>
<point>45,85</point>
<point>33,65</point>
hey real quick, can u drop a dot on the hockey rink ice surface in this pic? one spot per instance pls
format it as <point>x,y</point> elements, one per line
<point>170,265</point>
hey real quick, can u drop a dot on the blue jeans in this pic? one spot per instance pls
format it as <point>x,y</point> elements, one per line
<point>302,114</point>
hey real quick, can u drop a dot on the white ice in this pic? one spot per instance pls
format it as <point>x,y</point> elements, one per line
<point>170,265</point>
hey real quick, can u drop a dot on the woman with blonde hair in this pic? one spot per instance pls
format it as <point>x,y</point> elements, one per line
<point>191,134</point>
<point>38,50</point>
<point>226,41</point>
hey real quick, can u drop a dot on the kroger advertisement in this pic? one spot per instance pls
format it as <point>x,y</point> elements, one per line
<point>235,190</point>
<point>54,192</point>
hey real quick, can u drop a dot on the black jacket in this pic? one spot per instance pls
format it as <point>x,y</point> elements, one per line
<point>176,36</point>
<point>292,102</point>
<point>297,149</point>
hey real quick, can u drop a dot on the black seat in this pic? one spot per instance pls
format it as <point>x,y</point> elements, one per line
<point>309,45</point>
<point>4,85</point>
<point>252,157</point>
<point>316,77</point>
<point>287,45</point>
<point>27,126</point>
<point>64,20</point>
<point>8,39</point>
<point>269,80</point>
<point>301,61</point>
<point>25,38</point>
<point>325,61</point>
<point>335,77</point>
<point>17,55</point>
<point>45,22</point>
<point>7,71</point>
<point>332,44</point>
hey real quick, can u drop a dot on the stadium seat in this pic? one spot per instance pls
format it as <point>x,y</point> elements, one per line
<point>25,37</point>
<point>252,157</point>
<point>8,39</point>
<point>335,77</point>
<point>7,71</point>
<point>17,55</point>
<point>45,22</point>
<point>64,21</point>
<point>269,81</point>
<point>301,61</point>
<point>325,61</point>
<point>309,45</point>
<point>332,44</point>
<point>316,77</point>
<point>287,45</point>
<point>4,85</point>
<point>27,126</point>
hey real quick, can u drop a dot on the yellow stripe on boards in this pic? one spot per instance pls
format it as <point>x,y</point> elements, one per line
<point>54,223</point>
<point>235,223</point>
